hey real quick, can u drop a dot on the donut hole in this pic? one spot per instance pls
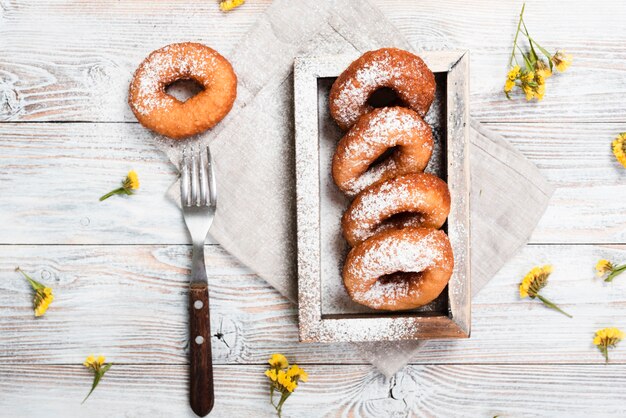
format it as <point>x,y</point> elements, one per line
<point>384,97</point>
<point>184,89</point>
<point>401,220</point>
<point>399,277</point>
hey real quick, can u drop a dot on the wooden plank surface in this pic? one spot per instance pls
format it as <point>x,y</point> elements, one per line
<point>130,302</point>
<point>72,62</point>
<point>75,63</point>
<point>72,165</point>
<point>341,391</point>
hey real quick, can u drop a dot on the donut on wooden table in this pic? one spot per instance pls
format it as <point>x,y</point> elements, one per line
<point>399,268</point>
<point>417,199</point>
<point>374,134</point>
<point>166,115</point>
<point>403,72</point>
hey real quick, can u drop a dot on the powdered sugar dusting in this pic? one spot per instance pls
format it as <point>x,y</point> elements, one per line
<point>356,92</point>
<point>392,255</point>
<point>363,145</point>
<point>161,68</point>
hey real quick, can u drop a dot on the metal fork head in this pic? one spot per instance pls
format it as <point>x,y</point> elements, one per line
<point>197,180</point>
<point>198,193</point>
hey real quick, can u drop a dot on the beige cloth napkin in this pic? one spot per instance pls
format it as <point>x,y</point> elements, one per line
<point>254,154</point>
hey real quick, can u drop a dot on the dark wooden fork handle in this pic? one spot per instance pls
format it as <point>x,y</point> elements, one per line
<point>201,393</point>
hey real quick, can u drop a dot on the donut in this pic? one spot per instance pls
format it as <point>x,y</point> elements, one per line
<point>166,115</point>
<point>376,132</point>
<point>399,268</point>
<point>403,72</point>
<point>417,199</point>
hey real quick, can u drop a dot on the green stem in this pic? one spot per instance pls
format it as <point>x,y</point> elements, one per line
<point>35,285</point>
<point>605,351</point>
<point>519,23</point>
<point>552,305</point>
<point>112,192</point>
<point>616,272</point>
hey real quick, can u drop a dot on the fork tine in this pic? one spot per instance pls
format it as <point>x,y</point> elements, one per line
<point>204,199</point>
<point>184,179</point>
<point>194,179</point>
<point>210,167</point>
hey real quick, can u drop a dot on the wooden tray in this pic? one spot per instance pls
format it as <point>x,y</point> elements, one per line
<point>326,312</point>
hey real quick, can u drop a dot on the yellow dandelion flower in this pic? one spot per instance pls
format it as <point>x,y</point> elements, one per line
<point>99,368</point>
<point>542,70</point>
<point>297,373</point>
<point>603,267</point>
<point>607,338</point>
<point>561,60</point>
<point>132,180</point>
<point>271,373</point>
<point>228,5</point>
<point>508,85</point>
<point>535,280</point>
<point>278,361</point>
<point>619,148</point>
<point>43,294</point>
<point>608,269</point>
<point>130,183</point>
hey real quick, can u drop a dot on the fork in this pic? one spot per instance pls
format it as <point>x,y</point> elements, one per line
<point>198,196</point>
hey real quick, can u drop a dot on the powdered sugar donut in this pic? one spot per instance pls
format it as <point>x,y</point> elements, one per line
<point>371,137</point>
<point>399,268</point>
<point>417,199</point>
<point>162,113</point>
<point>399,70</point>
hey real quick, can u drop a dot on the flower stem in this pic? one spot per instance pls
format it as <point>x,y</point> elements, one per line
<point>519,24</point>
<point>112,192</point>
<point>552,305</point>
<point>616,272</point>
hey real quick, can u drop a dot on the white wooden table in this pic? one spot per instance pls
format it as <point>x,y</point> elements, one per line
<point>120,268</point>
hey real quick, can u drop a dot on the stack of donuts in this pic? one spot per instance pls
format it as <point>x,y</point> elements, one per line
<point>400,258</point>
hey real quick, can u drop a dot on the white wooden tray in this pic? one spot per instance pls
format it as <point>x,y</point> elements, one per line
<point>326,312</point>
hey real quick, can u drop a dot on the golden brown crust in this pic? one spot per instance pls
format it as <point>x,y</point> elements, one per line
<point>371,137</point>
<point>399,268</point>
<point>420,198</point>
<point>399,70</point>
<point>164,114</point>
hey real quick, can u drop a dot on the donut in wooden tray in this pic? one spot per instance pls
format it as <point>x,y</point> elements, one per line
<point>401,71</point>
<point>355,164</point>
<point>164,114</point>
<point>417,199</point>
<point>399,269</point>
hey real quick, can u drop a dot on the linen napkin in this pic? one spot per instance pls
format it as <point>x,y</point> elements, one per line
<point>253,149</point>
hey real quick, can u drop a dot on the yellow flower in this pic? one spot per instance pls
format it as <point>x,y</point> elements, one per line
<point>94,363</point>
<point>533,282</point>
<point>132,181</point>
<point>508,85</point>
<point>607,338</point>
<point>278,361</point>
<point>43,295</point>
<point>285,381</point>
<point>608,269</point>
<point>603,267</point>
<point>542,71</point>
<point>228,5</point>
<point>561,61</point>
<point>271,373</point>
<point>619,148</point>
<point>297,373</point>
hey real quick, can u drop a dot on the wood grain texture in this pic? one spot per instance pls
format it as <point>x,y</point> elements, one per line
<point>201,391</point>
<point>130,303</point>
<point>332,391</point>
<point>72,165</point>
<point>75,64</point>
